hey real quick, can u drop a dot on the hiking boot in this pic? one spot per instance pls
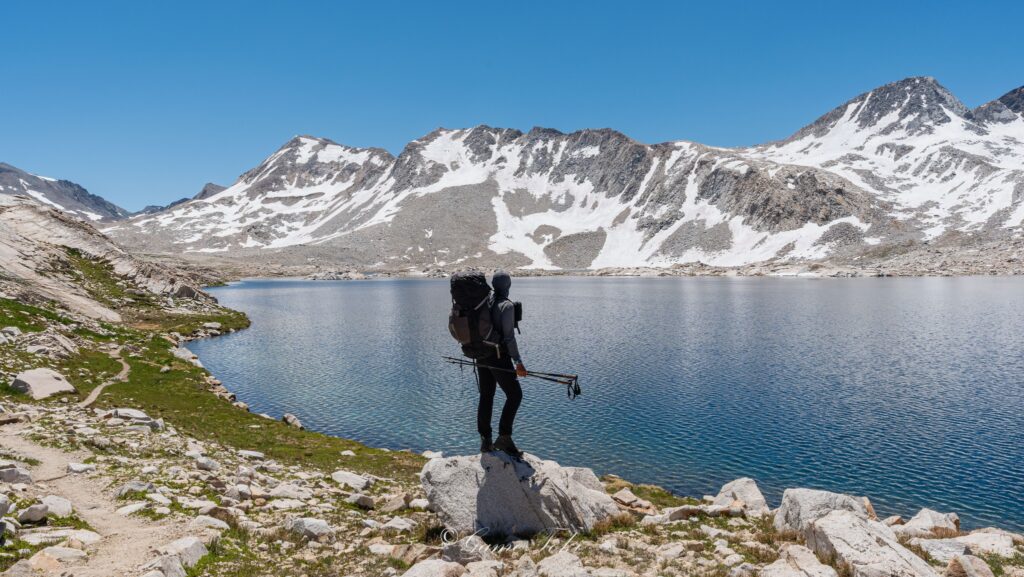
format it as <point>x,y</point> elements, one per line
<point>505,444</point>
<point>486,446</point>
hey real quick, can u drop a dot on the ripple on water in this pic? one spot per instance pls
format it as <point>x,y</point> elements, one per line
<point>905,390</point>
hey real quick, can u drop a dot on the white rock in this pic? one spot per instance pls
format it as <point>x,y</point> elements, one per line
<point>58,535</point>
<point>867,547</point>
<point>983,543</point>
<point>13,475</point>
<point>42,383</point>
<point>291,491</point>
<point>433,454</point>
<point>435,568</point>
<point>400,524</point>
<point>467,550</point>
<point>309,527</point>
<point>360,500</point>
<point>252,455</point>
<point>188,549</point>
<point>942,550</point>
<point>78,468</point>
<point>929,523</point>
<point>968,566</point>
<point>486,568</point>
<point>135,486</point>
<point>286,504</point>
<point>502,495</point>
<point>357,482</point>
<point>800,507</point>
<point>168,566</point>
<point>64,553</point>
<point>130,415</point>
<point>158,499</point>
<point>207,522</point>
<point>797,561</point>
<point>58,506</point>
<point>130,509</point>
<point>561,564</point>
<point>207,464</point>
<point>742,494</point>
<point>33,513</point>
<point>419,504</point>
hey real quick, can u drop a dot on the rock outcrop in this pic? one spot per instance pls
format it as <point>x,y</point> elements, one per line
<point>929,523</point>
<point>797,561</point>
<point>867,548</point>
<point>42,383</point>
<point>744,495</point>
<point>801,507</point>
<point>496,495</point>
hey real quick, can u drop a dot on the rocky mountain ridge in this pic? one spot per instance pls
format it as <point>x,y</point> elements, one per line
<point>60,194</point>
<point>904,164</point>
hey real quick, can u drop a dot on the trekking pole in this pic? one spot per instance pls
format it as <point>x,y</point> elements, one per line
<point>571,382</point>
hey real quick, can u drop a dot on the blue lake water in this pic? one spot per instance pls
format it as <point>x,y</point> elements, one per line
<point>909,391</point>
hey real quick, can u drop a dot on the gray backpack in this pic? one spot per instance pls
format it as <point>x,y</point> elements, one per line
<point>470,319</point>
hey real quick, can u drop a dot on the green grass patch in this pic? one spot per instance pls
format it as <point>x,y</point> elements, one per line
<point>658,496</point>
<point>97,277</point>
<point>180,397</point>
<point>186,324</point>
<point>73,522</point>
<point>999,564</point>
<point>28,318</point>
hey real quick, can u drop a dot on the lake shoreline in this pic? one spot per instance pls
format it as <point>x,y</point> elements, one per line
<point>430,448</point>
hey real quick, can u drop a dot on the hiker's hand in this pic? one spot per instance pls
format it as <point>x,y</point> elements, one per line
<point>520,370</point>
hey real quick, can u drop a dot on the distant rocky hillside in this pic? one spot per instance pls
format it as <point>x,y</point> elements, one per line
<point>902,165</point>
<point>60,194</point>
<point>47,255</point>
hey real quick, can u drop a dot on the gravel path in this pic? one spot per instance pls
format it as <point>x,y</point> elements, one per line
<point>127,543</point>
<point>119,378</point>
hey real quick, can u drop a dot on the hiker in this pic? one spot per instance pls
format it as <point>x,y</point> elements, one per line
<point>506,356</point>
<point>484,323</point>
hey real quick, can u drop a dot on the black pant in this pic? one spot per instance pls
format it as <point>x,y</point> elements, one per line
<point>509,384</point>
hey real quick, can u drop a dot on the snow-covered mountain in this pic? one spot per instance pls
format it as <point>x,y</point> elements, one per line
<point>60,194</point>
<point>903,163</point>
<point>912,143</point>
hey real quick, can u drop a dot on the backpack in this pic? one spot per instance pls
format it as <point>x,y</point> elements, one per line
<point>470,320</point>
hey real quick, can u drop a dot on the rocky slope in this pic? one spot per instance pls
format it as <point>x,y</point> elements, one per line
<point>50,255</point>
<point>904,164</point>
<point>60,194</point>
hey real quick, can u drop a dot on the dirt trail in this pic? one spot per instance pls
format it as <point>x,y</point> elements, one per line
<point>119,378</point>
<point>127,542</point>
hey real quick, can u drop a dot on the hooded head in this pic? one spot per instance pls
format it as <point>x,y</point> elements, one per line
<point>501,282</point>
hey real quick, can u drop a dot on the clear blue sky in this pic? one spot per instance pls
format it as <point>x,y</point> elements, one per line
<point>143,102</point>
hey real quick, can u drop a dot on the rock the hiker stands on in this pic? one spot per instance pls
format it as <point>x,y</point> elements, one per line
<point>501,496</point>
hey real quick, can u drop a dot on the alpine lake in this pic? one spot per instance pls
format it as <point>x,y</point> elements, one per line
<point>907,390</point>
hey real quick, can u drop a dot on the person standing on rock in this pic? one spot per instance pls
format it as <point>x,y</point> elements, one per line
<point>503,318</point>
<point>484,321</point>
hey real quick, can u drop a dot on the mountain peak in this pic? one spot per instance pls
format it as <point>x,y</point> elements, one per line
<point>915,104</point>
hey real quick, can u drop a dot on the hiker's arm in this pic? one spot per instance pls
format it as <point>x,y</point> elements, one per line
<point>508,331</point>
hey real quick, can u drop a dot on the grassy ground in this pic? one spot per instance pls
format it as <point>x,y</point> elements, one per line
<point>179,396</point>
